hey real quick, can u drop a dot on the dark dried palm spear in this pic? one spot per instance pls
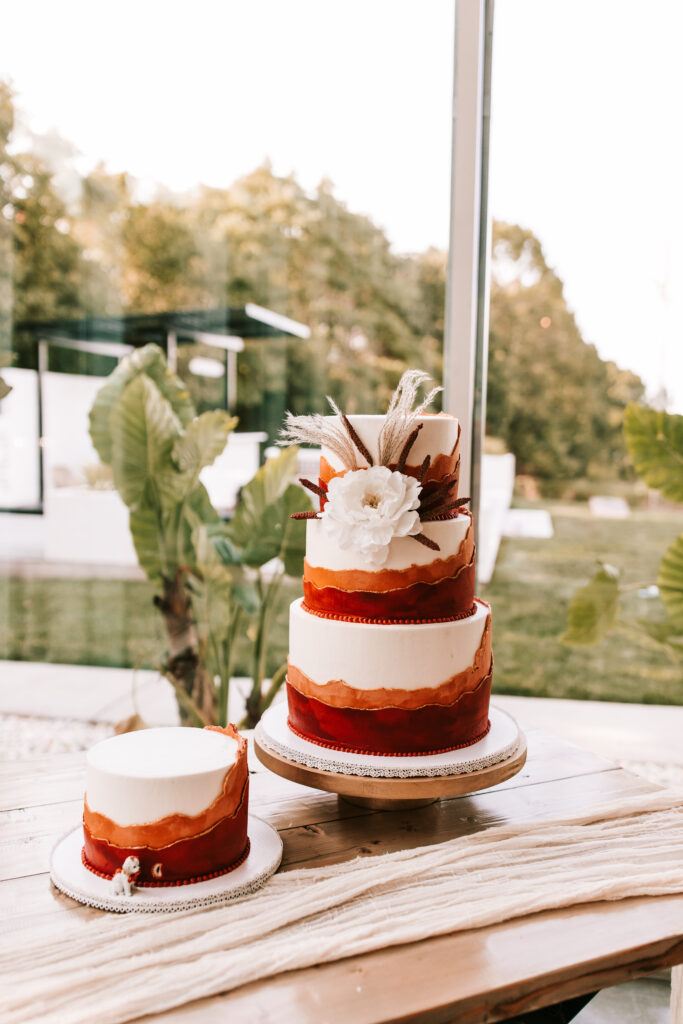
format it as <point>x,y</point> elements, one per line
<point>351,431</point>
<point>310,486</point>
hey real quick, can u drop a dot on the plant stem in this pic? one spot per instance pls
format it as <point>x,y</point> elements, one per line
<point>275,684</point>
<point>228,658</point>
<point>185,662</point>
<point>192,713</point>
<point>268,600</point>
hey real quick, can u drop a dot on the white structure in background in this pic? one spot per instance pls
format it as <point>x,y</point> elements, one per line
<point>80,524</point>
<point>497,485</point>
<point>528,522</point>
<point>608,507</point>
<point>85,525</point>
<point>19,462</point>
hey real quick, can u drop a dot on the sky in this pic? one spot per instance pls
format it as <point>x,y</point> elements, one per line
<point>585,143</point>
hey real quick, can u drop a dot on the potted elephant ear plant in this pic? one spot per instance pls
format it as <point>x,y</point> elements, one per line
<point>655,443</point>
<point>144,426</point>
<point>217,583</point>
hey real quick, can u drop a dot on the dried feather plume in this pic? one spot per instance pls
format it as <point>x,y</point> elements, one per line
<point>320,430</point>
<point>401,418</point>
<point>398,433</point>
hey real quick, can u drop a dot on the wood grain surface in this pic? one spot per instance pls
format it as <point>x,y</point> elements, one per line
<point>472,977</point>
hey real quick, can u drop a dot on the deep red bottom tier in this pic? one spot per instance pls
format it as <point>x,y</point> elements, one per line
<point>212,853</point>
<point>392,731</point>
<point>447,598</point>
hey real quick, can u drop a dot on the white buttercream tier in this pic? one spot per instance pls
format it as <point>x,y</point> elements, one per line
<point>323,551</point>
<point>143,776</point>
<point>370,656</point>
<point>438,436</point>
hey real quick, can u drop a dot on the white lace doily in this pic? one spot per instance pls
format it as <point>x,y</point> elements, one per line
<point>500,742</point>
<point>71,877</point>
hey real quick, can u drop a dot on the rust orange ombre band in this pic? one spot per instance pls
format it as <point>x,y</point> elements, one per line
<point>393,731</point>
<point>447,599</point>
<point>211,852</point>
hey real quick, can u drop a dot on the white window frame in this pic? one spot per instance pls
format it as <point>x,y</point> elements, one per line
<point>467,283</point>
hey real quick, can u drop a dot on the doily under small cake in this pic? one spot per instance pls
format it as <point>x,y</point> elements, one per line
<point>70,876</point>
<point>500,743</point>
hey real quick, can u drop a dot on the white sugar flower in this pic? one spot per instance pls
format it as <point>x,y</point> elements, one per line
<point>367,508</point>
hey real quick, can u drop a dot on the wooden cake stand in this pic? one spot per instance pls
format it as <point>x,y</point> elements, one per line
<point>272,738</point>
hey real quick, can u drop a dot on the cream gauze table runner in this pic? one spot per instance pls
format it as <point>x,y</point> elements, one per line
<point>109,968</point>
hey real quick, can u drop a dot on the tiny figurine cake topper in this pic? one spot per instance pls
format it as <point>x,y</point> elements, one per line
<point>366,506</point>
<point>123,881</point>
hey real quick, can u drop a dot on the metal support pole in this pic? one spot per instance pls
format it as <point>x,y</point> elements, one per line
<point>43,364</point>
<point>231,371</point>
<point>172,351</point>
<point>466,335</point>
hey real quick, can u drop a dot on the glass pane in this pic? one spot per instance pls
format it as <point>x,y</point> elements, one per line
<point>584,319</point>
<point>270,210</point>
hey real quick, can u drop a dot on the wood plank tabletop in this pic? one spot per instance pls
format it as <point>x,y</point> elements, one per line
<point>488,974</point>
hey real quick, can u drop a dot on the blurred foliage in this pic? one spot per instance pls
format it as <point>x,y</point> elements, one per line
<point>265,239</point>
<point>655,443</point>
<point>558,406</point>
<point>532,589</point>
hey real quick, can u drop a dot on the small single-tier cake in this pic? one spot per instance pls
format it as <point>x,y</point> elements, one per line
<point>174,798</point>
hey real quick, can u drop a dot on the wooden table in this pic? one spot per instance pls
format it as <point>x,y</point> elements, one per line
<point>489,974</point>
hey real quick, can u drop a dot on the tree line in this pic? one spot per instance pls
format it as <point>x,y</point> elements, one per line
<point>101,250</point>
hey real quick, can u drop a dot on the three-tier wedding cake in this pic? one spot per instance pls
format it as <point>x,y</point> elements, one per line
<point>390,651</point>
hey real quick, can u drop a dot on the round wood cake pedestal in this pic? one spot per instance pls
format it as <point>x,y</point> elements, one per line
<point>382,793</point>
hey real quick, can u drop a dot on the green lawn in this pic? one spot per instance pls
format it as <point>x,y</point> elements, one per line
<point>100,622</point>
<point>530,593</point>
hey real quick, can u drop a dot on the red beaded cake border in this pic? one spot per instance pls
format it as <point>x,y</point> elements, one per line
<point>388,622</point>
<point>179,881</point>
<point>384,753</point>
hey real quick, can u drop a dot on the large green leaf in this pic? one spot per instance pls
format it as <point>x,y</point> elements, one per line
<point>144,429</point>
<point>151,362</point>
<point>247,597</point>
<point>148,538</point>
<point>227,550</point>
<point>655,443</point>
<point>593,609</point>
<point>195,514</point>
<point>270,482</point>
<point>261,528</point>
<point>293,546</point>
<point>670,582</point>
<point>202,442</point>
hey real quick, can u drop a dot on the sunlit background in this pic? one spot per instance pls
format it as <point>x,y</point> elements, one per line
<point>263,191</point>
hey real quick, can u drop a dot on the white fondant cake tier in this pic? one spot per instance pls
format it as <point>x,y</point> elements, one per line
<point>143,776</point>
<point>322,549</point>
<point>438,436</point>
<point>370,656</point>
